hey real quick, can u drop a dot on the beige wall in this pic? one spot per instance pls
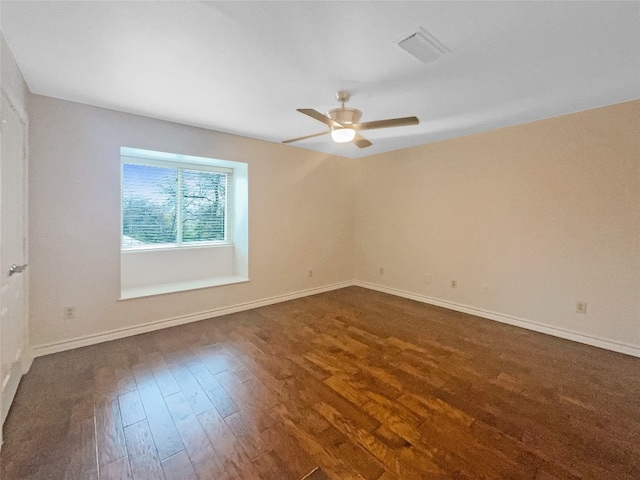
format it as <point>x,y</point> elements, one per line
<point>12,82</point>
<point>300,218</point>
<point>528,219</point>
<point>539,215</point>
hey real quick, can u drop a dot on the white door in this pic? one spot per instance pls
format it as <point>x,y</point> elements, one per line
<point>13,326</point>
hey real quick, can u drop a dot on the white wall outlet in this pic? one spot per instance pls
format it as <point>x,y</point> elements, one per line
<point>485,288</point>
<point>69,313</point>
<point>381,271</point>
<point>581,307</point>
<point>454,284</point>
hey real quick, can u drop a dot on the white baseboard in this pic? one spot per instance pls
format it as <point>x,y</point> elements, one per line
<point>27,360</point>
<point>78,342</point>
<point>47,349</point>
<point>518,322</point>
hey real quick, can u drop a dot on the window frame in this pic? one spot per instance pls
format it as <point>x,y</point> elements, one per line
<point>193,164</point>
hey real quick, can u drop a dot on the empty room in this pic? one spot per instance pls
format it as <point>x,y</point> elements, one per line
<point>287,240</point>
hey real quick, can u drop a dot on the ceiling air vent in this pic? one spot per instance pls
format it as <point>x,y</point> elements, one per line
<point>424,46</point>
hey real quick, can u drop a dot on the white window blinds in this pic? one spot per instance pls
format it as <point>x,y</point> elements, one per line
<point>173,206</point>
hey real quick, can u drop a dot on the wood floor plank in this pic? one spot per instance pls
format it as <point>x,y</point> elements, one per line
<point>308,393</point>
<point>143,456</point>
<point>361,384</point>
<point>286,445</point>
<point>220,399</point>
<point>124,376</point>
<point>163,430</point>
<point>238,391</point>
<point>131,409</point>
<point>207,464</point>
<point>213,359</point>
<point>300,450</point>
<point>378,449</point>
<point>204,459</point>
<point>82,446</point>
<point>343,386</point>
<point>191,388</point>
<point>162,374</point>
<point>230,451</point>
<point>179,466</point>
<point>142,373</point>
<point>109,431</point>
<point>357,458</point>
<point>117,470</point>
<point>316,474</point>
<point>191,432</point>
<point>245,429</point>
<point>105,383</point>
<point>270,466</point>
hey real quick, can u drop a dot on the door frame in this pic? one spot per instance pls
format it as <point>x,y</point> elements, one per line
<point>26,355</point>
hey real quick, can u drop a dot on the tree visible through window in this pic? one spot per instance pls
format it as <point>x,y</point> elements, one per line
<point>172,206</point>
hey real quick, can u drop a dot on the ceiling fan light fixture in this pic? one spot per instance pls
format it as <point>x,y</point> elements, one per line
<point>344,123</point>
<point>343,135</point>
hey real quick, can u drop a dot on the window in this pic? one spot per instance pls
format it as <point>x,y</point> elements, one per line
<point>184,223</point>
<point>173,206</point>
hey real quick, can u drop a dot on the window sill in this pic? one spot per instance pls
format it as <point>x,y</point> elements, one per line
<point>151,290</point>
<point>174,247</point>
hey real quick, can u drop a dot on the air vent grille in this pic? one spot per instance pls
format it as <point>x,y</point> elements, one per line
<point>423,46</point>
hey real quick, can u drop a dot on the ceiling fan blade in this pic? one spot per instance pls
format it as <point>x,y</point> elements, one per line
<point>391,122</point>
<point>361,142</point>
<point>304,138</point>
<point>320,117</point>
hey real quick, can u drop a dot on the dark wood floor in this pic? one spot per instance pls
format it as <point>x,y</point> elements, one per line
<point>358,383</point>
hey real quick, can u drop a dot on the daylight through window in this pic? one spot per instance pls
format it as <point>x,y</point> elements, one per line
<point>168,205</point>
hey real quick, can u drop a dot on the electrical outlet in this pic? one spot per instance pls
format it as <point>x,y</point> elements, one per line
<point>454,284</point>
<point>581,307</point>
<point>69,313</point>
<point>485,288</point>
<point>381,271</point>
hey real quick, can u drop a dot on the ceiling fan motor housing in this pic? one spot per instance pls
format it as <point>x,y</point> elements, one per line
<point>345,115</point>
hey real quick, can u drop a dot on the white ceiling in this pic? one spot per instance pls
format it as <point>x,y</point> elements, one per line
<point>244,67</point>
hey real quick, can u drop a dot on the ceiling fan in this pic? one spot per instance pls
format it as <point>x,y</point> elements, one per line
<point>343,123</point>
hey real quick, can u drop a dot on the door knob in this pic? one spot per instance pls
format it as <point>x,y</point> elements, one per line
<point>16,268</point>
